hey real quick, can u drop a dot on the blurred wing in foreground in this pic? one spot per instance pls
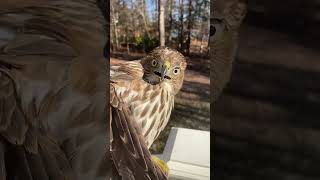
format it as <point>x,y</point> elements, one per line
<point>52,91</point>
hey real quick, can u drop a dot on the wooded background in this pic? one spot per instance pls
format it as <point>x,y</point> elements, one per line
<point>267,122</point>
<point>142,25</point>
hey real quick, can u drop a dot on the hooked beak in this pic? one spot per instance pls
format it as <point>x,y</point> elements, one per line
<point>163,72</point>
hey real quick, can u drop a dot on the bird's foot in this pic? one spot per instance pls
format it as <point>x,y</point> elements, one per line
<point>161,164</point>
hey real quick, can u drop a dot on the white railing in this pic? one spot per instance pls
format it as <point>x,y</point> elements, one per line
<point>187,153</point>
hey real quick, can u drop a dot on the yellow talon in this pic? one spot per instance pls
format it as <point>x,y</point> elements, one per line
<point>161,164</point>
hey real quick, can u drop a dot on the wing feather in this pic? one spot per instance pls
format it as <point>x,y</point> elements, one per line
<point>128,149</point>
<point>25,154</point>
<point>49,78</point>
<point>126,71</point>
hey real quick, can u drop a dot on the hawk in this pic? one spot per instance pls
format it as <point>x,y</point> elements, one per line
<point>142,94</point>
<point>225,22</point>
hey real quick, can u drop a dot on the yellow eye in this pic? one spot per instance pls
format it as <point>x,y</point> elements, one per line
<point>176,71</point>
<point>154,63</point>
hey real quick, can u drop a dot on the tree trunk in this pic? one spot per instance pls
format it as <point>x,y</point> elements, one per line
<point>201,45</point>
<point>114,23</point>
<point>143,13</point>
<point>162,34</point>
<point>170,20</point>
<point>181,25</point>
<point>190,22</point>
<point>127,41</point>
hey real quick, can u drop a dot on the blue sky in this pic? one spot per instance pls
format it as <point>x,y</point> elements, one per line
<point>151,7</point>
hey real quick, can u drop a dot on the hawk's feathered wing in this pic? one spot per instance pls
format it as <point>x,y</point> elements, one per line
<point>52,91</point>
<point>128,147</point>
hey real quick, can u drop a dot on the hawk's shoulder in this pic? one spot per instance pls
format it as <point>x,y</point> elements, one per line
<point>124,77</point>
<point>126,71</point>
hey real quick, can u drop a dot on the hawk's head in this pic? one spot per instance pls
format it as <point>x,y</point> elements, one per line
<point>164,65</point>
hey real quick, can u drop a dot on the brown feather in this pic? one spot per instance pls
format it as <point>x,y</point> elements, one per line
<point>140,109</point>
<point>130,87</point>
<point>52,90</point>
<point>130,164</point>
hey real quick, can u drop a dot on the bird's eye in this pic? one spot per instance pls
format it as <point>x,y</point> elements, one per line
<point>176,71</point>
<point>213,30</point>
<point>217,29</point>
<point>154,62</point>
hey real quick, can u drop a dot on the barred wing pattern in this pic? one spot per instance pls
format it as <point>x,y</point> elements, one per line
<point>131,156</point>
